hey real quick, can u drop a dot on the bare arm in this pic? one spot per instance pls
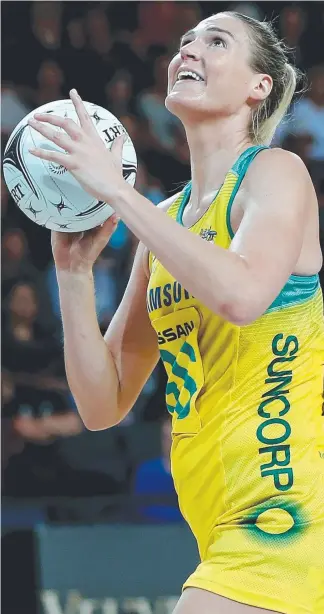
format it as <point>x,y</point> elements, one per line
<point>240,283</point>
<point>107,374</point>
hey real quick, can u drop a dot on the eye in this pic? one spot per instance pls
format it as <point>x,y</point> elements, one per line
<point>184,41</point>
<point>217,41</point>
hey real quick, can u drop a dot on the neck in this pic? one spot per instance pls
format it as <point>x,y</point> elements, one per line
<point>214,146</point>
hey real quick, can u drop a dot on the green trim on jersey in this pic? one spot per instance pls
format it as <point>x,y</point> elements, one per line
<point>184,201</point>
<point>240,167</point>
<point>298,289</point>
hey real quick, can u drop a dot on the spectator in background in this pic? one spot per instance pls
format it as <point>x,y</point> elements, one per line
<point>46,20</point>
<point>15,260</point>
<point>38,251</point>
<point>133,55</point>
<point>307,118</point>
<point>76,33</point>
<point>34,420</point>
<point>11,442</point>
<point>35,403</point>
<point>189,14</point>
<point>50,80</point>
<point>37,424</point>
<point>308,114</point>
<point>103,56</point>
<point>139,131</point>
<point>17,267</point>
<point>151,106</point>
<point>27,346</point>
<point>153,478</point>
<point>119,94</point>
<point>105,290</point>
<point>10,214</point>
<point>157,21</point>
<point>41,40</point>
<point>119,252</point>
<point>147,402</point>
<point>292,25</point>
<point>13,109</point>
<point>98,32</point>
<point>172,168</point>
<point>78,61</point>
<point>149,186</point>
<point>32,416</point>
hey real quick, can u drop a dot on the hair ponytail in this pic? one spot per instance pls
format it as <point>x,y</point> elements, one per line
<point>264,125</point>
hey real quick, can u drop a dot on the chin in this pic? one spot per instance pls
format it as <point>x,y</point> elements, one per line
<point>183,106</point>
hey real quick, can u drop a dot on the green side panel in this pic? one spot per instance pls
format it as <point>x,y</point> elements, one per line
<point>297,290</point>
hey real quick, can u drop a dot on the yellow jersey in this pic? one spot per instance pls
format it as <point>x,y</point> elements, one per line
<point>247,428</point>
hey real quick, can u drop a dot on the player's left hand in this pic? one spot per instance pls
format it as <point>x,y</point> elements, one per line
<point>98,170</point>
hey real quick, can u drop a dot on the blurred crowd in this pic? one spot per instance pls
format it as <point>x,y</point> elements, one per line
<point>115,54</point>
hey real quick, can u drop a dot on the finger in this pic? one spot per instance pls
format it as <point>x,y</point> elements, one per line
<point>82,113</point>
<point>68,125</point>
<point>117,149</point>
<point>53,156</point>
<point>105,230</point>
<point>59,138</point>
<point>110,221</point>
<point>114,218</point>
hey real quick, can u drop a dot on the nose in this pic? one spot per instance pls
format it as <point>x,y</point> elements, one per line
<point>190,50</point>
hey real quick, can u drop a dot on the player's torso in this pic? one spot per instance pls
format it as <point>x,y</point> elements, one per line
<point>245,401</point>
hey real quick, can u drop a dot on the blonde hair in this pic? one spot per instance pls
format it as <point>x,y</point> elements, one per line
<point>269,55</point>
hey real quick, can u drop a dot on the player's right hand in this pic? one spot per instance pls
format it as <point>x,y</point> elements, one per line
<point>77,252</point>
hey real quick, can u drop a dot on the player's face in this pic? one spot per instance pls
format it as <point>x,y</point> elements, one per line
<point>218,51</point>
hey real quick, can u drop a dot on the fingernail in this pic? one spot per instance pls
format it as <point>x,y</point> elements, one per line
<point>75,92</point>
<point>32,151</point>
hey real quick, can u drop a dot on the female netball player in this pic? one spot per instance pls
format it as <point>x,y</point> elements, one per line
<point>225,285</point>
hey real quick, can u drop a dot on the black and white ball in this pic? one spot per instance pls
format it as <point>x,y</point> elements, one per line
<point>46,192</point>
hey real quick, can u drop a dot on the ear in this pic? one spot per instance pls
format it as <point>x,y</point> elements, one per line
<point>261,87</point>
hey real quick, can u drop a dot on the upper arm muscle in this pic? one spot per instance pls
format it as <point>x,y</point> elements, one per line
<point>270,236</point>
<point>131,338</point>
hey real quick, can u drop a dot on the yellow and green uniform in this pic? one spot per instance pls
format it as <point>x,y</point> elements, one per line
<point>247,426</point>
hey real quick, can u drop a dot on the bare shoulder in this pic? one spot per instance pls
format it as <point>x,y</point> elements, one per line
<point>164,205</point>
<point>278,164</point>
<point>278,176</point>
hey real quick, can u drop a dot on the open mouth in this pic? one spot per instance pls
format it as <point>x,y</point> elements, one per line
<point>188,75</point>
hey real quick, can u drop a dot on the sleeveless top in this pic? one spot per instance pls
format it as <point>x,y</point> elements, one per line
<point>245,401</point>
